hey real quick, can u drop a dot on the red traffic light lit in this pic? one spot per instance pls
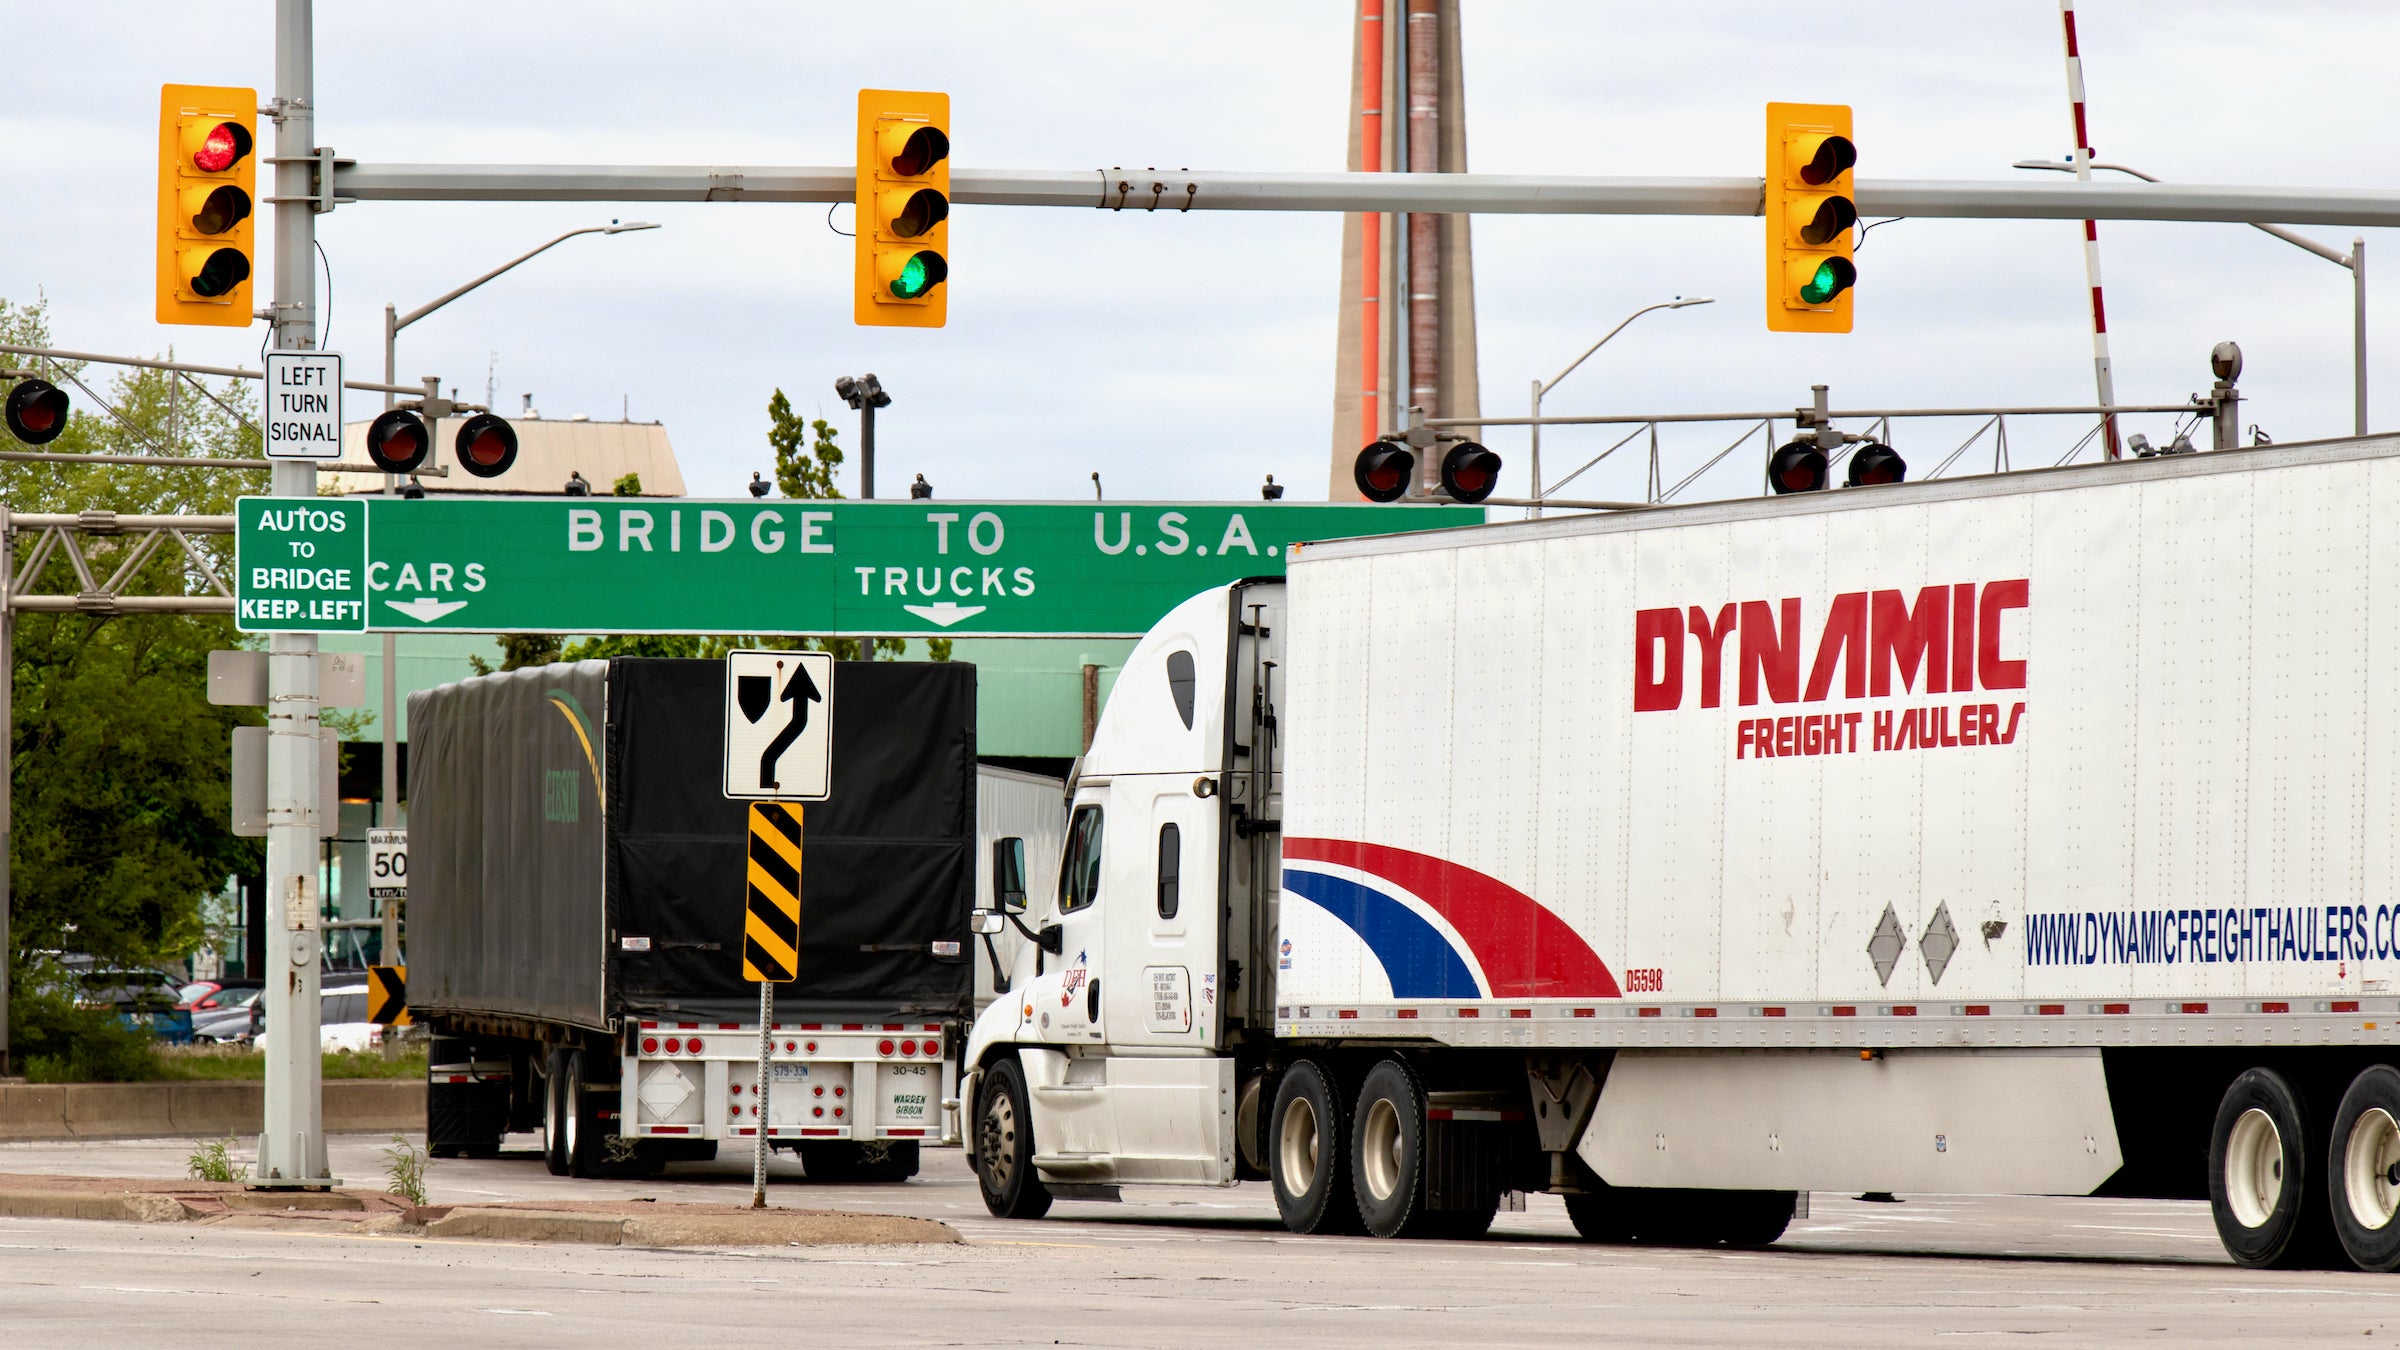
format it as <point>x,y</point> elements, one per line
<point>1470,472</point>
<point>487,446</point>
<point>1797,467</point>
<point>36,411</point>
<point>1875,464</point>
<point>1384,471</point>
<point>221,148</point>
<point>398,442</point>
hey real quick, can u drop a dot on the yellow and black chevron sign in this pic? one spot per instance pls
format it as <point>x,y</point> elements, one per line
<point>771,925</point>
<point>387,995</point>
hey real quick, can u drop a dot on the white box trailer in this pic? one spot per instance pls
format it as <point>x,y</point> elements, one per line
<point>2021,833</point>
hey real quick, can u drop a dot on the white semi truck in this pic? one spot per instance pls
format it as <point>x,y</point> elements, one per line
<point>2026,834</point>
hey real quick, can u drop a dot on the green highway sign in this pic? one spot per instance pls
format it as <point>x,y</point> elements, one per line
<point>887,568</point>
<point>302,563</point>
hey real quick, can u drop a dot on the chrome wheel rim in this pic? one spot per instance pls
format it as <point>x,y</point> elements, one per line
<point>571,1123</point>
<point>998,1140</point>
<point>1298,1154</point>
<point>2368,1159</point>
<point>1379,1149</point>
<point>2253,1168</point>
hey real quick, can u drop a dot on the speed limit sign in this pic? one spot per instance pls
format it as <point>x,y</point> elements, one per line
<point>387,864</point>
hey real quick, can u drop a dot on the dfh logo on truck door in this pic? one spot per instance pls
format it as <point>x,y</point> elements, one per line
<point>775,747</point>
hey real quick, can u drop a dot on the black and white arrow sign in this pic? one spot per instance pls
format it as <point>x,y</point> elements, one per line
<point>779,725</point>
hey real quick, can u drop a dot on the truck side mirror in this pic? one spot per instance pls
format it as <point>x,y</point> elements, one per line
<point>987,923</point>
<point>1008,876</point>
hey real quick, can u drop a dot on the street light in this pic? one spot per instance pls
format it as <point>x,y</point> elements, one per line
<point>2355,260</point>
<point>1541,388</point>
<point>393,322</point>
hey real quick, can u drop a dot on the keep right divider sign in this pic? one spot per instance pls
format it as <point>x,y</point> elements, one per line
<point>771,921</point>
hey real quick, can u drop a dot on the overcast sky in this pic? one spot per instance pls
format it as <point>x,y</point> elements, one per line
<point>1185,356</point>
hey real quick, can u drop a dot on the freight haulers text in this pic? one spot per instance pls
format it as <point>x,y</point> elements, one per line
<point>1950,639</point>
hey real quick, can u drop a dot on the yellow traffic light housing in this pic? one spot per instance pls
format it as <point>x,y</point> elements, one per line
<point>207,204</point>
<point>903,250</point>
<point>1810,211</point>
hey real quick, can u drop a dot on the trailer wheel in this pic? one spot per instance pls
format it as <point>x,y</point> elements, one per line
<point>1308,1138</point>
<point>554,1128</point>
<point>1602,1215</point>
<point>1003,1155</point>
<point>1387,1153</point>
<point>2365,1176</point>
<point>2269,1211</point>
<point>840,1162</point>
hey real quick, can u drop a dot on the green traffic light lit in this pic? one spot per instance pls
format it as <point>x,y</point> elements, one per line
<point>1833,276</point>
<point>923,271</point>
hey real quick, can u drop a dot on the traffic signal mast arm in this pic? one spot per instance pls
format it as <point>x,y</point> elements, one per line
<point>1481,194</point>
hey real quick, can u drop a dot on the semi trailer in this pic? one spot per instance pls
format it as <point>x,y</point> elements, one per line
<point>2026,833</point>
<point>577,912</point>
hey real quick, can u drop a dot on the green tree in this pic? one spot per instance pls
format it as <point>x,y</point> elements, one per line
<point>521,649</point>
<point>122,811</point>
<point>628,486</point>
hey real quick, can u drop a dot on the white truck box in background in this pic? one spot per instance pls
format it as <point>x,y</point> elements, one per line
<point>1031,810</point>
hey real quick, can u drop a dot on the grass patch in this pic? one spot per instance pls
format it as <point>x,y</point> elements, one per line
<point>215,1063</point>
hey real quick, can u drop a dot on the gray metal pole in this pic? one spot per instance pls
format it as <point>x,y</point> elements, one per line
<point>766,1051</point>
<point>291,1146</point>
<point>387,813</point>
<point>866,448</point>
<point>2358,285</point>
<point>1535,448</point>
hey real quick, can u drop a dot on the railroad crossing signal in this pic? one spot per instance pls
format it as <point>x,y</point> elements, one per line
<point>903,229</point>
<point>1809,214</point>
<point>387,995</point>
<point>36,411</point>
<point>771,917</point>
<point>207,203</point>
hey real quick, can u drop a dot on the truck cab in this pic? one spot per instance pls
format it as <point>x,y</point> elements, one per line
<point>1136,1003</point>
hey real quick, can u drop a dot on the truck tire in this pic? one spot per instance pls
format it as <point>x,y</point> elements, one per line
<point>554,1129</point>
<point>1604,1215</point>
<point>2264,1157</point>
<point>1308,1140</point>
<point>1388,1153</point>
<point>842,1162</point>
<point>1003,1156</point>
<point>2364,1179</point>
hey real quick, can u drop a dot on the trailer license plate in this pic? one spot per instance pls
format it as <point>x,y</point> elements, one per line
<point>790,1073</point>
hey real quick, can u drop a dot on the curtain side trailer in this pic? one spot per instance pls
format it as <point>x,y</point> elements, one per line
<point>2013,834</point>
<point>577,926</point>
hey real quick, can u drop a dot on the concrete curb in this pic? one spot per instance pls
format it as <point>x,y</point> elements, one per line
<point>736,1228</point>
<point>203,1110</point>
<point>593,1223</point>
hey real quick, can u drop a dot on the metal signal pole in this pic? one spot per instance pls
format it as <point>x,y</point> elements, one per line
<point>291,1144</point>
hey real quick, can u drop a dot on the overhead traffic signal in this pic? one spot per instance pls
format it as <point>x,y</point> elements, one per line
<point>1810,212</point>
<point>1797,467</point>
<point>1874,464</point>
<point>36,411</point>
<point>1386,471</point>
<point>398,441</point>
<point>903,250</point>
<point>486,445</point>
<point>207,203</point>
<point>1470,472</point>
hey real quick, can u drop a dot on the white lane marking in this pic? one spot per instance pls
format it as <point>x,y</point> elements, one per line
<point>515,1312</point>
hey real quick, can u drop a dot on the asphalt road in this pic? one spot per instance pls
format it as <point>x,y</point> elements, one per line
<point>1166,1267</point>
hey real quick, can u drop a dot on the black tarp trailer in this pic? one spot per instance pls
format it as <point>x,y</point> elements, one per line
<point>576,905</point>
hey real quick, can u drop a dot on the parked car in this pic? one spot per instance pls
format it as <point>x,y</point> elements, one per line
<point>207,995</point>
<point>147,1000</point>
<point>342,1020</point>
<point>227,1014</point>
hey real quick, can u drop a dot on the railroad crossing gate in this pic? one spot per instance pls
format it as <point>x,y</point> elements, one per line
<point>387,995</point>
<point>771,920</point>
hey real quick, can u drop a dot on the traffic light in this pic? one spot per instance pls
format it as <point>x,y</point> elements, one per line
<point>1385,471</point>
<point>486,446</point>
<point>1809,217</point>
<point>398,442</point>
<point>36,411</point>
<point>903,230</point>
<point>1470,472</point>
<point>207,203</point>
<point>1797,467</point>
<point>1874,464</point>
